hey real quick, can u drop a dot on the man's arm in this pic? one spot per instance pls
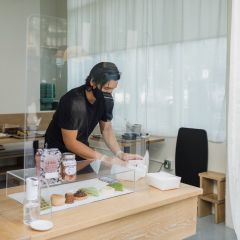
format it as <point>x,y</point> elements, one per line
<point>76,147</point>
<point>82,150</point>
<point>109,136</point>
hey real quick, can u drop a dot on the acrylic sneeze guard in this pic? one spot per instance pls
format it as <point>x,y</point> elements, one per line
<point>46,40</point>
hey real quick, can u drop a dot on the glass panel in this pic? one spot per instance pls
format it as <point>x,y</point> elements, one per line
<point>53,67</point>
<point>107,174</point>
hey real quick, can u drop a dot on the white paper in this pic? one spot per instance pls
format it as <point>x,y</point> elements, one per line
<point>73,187</point>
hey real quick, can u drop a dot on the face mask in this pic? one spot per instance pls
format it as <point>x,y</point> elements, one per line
<point>98,94</point>
<point>109,103</point>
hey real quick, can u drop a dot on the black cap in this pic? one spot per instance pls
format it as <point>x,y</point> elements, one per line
<point>102,72</point>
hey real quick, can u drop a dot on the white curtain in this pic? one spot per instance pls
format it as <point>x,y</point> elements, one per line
<point>172,55</point>
<point>234,118</point>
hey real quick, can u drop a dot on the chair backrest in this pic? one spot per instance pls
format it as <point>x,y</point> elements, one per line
<point>191,155</point>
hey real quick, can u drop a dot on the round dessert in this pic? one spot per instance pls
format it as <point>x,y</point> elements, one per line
<point>57,200</point>
<point>69,198</point>
<point>80,195</point>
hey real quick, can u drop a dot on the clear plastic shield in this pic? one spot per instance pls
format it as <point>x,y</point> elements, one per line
<point>120,163</point>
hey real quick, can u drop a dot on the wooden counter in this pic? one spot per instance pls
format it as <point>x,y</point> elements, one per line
<point>127,144</point>
<point>12,140</point>
<point>14,148</point>
<point>149,214</point>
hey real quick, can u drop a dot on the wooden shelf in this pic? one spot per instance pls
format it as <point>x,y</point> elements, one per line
<point>210,199</point>
<point>213,175</point>
<point>213,198</point>
<point>8,168</point>
<point>11,154</point>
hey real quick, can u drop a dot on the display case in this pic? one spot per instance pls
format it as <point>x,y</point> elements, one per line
<point>111,180</point>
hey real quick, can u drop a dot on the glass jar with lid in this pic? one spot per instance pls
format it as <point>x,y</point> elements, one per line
<point>69,167</point>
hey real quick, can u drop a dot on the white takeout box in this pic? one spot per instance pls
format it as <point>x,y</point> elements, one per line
<point>163,180</point>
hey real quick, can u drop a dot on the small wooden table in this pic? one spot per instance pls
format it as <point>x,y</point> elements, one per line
<point>209,198</point>
<point>149,214</point>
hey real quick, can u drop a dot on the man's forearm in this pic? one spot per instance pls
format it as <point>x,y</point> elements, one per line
<point>110,140</point>
<point>82,150</point>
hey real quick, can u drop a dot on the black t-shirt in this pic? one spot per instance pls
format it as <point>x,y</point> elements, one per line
<point>74,112</point>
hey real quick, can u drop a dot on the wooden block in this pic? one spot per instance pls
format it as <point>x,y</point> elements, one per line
<point>213,175</point>
<point>219,212</point>
<point>213,198</point>
<point>221,190</point>
<point>206,185</point>
<point>204,208</point>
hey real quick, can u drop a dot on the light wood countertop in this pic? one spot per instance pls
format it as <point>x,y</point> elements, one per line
<point>90,215</point>
<point>148,140</point>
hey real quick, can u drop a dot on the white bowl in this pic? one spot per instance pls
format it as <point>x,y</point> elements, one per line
<point>41,225</point>
<point>163,180</point>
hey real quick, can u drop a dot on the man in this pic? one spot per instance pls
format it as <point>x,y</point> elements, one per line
<point>78,113</point>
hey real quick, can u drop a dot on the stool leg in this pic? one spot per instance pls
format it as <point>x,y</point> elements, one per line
<point>219,212</point>
<point>204,208</point>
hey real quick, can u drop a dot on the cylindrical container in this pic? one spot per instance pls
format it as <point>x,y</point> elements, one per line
<point>136,128</point>
<point>31,205</point>
<point>69,167</point>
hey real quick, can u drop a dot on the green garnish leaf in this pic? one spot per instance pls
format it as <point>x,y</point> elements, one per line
<point>91,191</point>
<point>117,186</point>
<point>44,204</point>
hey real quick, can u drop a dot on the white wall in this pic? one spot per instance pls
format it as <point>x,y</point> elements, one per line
<point>13,25</point>
<point>216,154</point>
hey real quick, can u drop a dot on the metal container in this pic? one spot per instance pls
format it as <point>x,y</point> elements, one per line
<point>135,128</point>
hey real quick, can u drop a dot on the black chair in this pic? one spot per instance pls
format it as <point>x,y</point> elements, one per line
<point>191,155</point>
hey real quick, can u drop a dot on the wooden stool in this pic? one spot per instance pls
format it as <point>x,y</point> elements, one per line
<point>209,198</point>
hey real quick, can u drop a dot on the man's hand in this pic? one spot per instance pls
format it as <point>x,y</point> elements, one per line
<point>127,156</point>
<point>114,160</point>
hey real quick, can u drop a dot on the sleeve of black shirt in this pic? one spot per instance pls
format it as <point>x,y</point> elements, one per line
<point>72,113</point>
<point>108,113</point>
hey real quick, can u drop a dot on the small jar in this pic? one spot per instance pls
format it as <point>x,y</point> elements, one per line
<point>69,167</point>
<point>50,163</point>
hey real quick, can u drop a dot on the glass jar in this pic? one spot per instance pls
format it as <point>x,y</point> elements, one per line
<point>69,167</point>
<point>50,161</point>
